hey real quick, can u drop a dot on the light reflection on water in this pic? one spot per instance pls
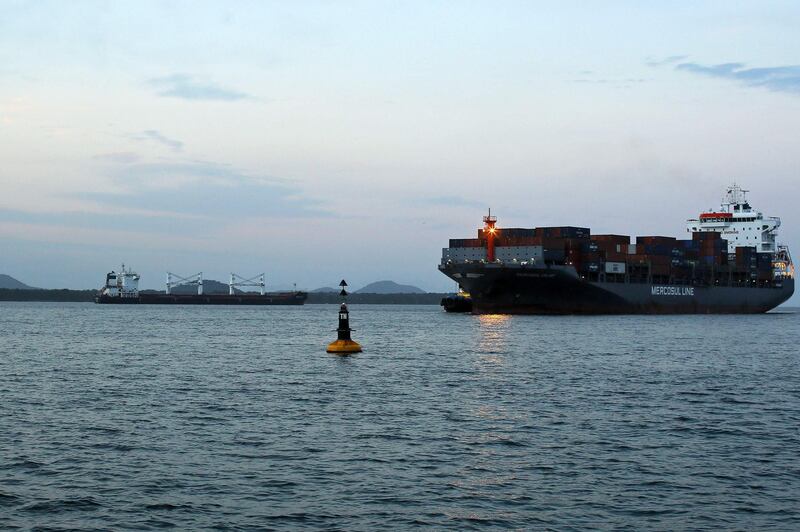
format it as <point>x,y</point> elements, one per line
<point>492,339</point>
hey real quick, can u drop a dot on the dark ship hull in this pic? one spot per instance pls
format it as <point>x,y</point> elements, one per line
<point>558,289</point>
<point>456,303</point>
<point>274,298</point>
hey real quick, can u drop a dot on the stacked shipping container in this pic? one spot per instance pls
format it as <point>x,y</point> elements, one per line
<point>703,259</point>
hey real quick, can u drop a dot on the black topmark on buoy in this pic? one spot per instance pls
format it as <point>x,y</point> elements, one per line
<point>344,344</point>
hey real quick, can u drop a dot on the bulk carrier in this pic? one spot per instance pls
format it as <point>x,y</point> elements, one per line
<point>123,288</point>
<point>731,264</point>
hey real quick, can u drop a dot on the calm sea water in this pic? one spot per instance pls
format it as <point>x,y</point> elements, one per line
<point>235,418</point>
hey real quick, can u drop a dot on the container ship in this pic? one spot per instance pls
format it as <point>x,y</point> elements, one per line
<point>731,264</point>
<point>123,288</point>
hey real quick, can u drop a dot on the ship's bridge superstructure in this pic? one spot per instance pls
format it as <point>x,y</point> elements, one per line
<point>124,284</point>
<point>739,224</point>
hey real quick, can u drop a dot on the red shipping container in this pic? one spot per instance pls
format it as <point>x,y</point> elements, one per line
<point>615,239</point>
<point>656,240</point>
<point>613,256</point>
<point>706,235</point>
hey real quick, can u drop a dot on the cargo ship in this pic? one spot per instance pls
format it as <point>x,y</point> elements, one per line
<point>730,264</point>
<point>123,288</point>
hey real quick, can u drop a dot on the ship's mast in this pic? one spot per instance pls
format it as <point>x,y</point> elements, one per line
<point>489,231</point>
<point>736,195</point>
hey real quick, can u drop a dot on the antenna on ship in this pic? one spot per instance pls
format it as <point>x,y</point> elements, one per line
<point>736,195</point>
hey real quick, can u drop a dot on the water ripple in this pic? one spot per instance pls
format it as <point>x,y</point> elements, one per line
<point>236,419</point>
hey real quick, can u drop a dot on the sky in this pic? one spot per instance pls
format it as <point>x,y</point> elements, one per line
<point>316,141</point>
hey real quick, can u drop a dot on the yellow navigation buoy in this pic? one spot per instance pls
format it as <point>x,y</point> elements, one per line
<point>344,345</point>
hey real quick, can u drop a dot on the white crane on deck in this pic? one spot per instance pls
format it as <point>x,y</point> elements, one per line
<point>238,280</point>
<point>196,279</point>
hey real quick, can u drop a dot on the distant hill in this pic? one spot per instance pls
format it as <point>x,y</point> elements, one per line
<point>6,281</point>
<point>389,287</point>
<point>325,290</point>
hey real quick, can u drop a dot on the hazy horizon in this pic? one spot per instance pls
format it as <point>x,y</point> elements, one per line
<point>317,141</point>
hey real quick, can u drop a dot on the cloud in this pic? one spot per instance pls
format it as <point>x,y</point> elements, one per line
<point>186,201</point>
<point>590,78</point>
<point>154,135</point>
<point>207,189</point>
<point>779,79</point>
<point>122,157</point>
<point>55,230</point>
<point>664,61</point>
<point>187,88</point>
<point>622,82</point>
